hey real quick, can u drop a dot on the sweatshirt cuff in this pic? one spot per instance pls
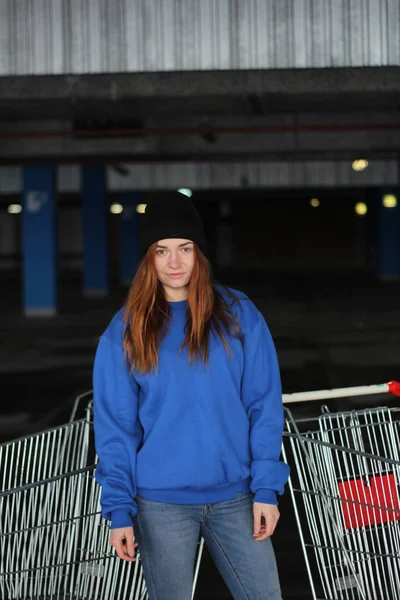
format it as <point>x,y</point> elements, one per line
<point>120,518</point>
<point>266,497</point>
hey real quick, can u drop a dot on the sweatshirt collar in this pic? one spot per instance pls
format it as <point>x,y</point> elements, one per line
<point>178,308</point>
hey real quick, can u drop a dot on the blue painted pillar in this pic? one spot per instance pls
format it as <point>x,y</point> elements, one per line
<point>95,231</point>
<point>388,234</point>
<point>39,241</point>
<point>129,236</point>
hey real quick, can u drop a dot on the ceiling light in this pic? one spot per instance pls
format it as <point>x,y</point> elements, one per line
<point>315,202</point>
<point>116,209</point>
<point>360,164</point>
<point>185,192</point>
<point>141,208</point>
<point>14,209</point>
<point>389,201</point>
<point>361,208</point>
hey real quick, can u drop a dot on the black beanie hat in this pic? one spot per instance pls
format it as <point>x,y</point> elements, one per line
<point>171,217</point>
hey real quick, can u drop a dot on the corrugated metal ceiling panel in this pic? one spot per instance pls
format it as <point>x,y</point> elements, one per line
<point>97,36</point>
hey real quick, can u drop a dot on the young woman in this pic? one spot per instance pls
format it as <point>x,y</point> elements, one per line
<point>188,419</point>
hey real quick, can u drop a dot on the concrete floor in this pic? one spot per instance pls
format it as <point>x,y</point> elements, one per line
<point>330,330</point>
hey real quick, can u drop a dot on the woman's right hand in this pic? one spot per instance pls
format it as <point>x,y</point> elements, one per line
<point>123,540</point>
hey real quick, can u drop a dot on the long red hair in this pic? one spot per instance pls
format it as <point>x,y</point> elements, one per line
<point>147,315</point>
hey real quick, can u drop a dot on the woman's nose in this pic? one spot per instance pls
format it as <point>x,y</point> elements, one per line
<point>174,260</point>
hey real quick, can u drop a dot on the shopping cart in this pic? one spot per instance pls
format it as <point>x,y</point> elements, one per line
<point>345,491</point>
<point>344,485</point>
<point>53,541</point>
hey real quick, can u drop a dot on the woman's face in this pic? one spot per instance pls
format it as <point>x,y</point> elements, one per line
<point>174,261</point>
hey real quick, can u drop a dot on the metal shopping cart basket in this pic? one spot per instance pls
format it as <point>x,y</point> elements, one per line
<point>345,490</point>
<point>344,485</point>
<point>53,540</point>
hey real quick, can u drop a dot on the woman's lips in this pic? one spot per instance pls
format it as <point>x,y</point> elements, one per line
<point>175,275</point>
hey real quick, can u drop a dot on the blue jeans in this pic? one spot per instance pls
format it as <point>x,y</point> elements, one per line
<point>168,535</point>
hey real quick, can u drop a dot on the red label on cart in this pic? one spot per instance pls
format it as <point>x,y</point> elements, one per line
<point>369,501</point>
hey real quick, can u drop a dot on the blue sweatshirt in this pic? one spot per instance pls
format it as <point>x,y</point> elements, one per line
<point>189,434</point>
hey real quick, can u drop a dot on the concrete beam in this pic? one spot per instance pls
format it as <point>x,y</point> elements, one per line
<point>287,136</point>
<point>204,175</point>
<point>212,158</point>
<point>195,83</point>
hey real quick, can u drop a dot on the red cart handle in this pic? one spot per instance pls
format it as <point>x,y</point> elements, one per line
<point>394,388</point>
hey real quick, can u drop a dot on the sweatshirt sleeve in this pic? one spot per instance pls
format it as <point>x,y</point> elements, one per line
<point>262,398</point>
<point>117,432</point>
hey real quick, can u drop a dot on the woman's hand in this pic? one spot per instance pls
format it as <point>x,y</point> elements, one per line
<point>123,540</point>
<point>271,516</point>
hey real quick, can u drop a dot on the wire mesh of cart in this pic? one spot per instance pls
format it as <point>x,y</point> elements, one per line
<point>55,451</point>
<point>53,541</point>
<point>344,484</point>
<point>345,490</point>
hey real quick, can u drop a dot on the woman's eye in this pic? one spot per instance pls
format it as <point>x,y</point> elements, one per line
<point>186,249</point>
<point>159,252</point>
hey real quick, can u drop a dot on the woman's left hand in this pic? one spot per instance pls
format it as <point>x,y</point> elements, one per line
<point>271,515</point>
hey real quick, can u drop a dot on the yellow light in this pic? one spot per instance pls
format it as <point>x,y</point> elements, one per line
<point>116,209</point>
<point>360,164</point>
<point>141,208</point>
<point>315,202</point>
<point>389,201</point>
<point>14,209</point>
<point>361,208</point>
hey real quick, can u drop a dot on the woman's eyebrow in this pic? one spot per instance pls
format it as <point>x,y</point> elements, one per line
<point>180,245</point>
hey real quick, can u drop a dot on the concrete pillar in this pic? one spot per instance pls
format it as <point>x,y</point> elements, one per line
<point>39,241</point>
<point>387,233</point>
<point>224,245</point>
<point>8,240</point>
<point>95,231</point>
<point>371,232</point>
<point>129,237</point>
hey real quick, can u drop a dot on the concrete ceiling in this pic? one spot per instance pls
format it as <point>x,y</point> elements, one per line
<point>337,99</point>
<point>154,95</point>
<point>106,110</point>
